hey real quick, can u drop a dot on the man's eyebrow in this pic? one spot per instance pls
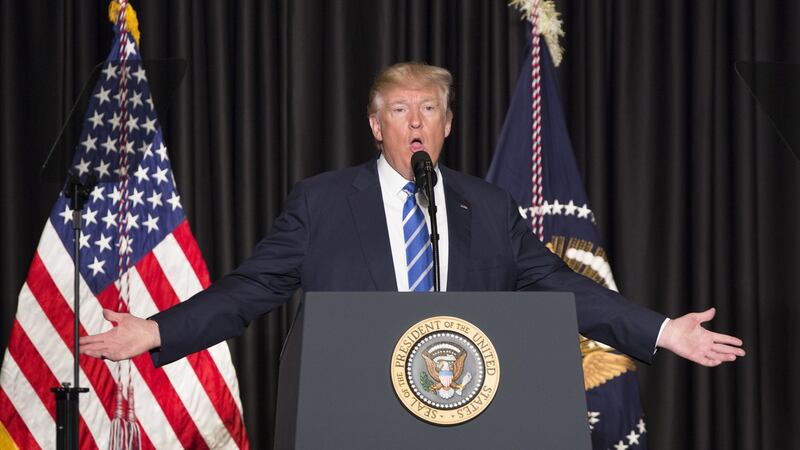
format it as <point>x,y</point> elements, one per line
<point>405,101</point>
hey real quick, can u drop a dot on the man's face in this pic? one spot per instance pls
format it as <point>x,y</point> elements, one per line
<point>408,120</point>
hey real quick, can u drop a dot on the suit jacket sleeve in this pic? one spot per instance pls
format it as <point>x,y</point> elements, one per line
<point>263,282</point>
<point>603,315</point>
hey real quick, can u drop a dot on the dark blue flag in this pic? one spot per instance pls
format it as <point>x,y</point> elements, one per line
<point>612,391</point>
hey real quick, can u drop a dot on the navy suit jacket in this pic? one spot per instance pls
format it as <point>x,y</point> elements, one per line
<point>332,236</point>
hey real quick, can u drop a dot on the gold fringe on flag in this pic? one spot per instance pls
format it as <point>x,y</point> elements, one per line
<point>549,24</point>
<point>131,20</point>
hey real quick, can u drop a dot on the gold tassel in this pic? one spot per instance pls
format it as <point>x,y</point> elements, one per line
<point>131,21</point>
<point>549,24</point>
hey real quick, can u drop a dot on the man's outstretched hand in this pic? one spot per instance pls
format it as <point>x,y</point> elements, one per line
<point>130,337</point>
<point>686,337</point>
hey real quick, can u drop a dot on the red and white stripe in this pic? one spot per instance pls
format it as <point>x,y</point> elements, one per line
<point>192,403</point>
<point>537,222</point>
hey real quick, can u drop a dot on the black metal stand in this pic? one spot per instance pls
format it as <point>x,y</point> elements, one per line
<point>425,178</point>
<point>67,415</point>
<point>67,411</point>
<point>434,236</point>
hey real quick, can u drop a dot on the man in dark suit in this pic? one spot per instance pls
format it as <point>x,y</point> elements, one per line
<point>363,228</point>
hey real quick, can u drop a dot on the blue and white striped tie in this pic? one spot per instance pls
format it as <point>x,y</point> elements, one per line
<point>419,255</point>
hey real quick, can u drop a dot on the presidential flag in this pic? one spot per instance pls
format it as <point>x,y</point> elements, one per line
<point>137,253</point>
<point>568,228</point>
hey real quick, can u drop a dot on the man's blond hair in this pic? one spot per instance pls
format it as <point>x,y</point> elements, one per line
<point>410,74</point>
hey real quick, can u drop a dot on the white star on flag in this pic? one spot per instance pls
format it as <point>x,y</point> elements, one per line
<point>103,243</point>
<point>175,201</point>
<point>151,223</point>
<point>160,176</point>
<point>130,47</point>
<point>136,100</point>
<point>84,241</point>
<point>97,266</point>
<point>133,123</point>
<point>110,71</point>
<point>83,167</point>
<point>569,210</point>
<point>110,220</point>
<point>146,150</point>
<point>149,125</point>
<point>141,174</point>
<point>115,195</point>
<point>633,438</point>
<point>96,119</point>
<point>102,169</point>
<point>155,199</point>
<point>114,121</point>
<point>162,152</point>
<point>110,145</point>
<point>136,198</point>
<point>89,216</point>
<point>102,96</point>
<point>133,220</point>
<point>139,74</point>
<point>97,193</point>
<point>67,214</point>
<point>125,244</point>
<point>556,207</point>
<point>89,143</point>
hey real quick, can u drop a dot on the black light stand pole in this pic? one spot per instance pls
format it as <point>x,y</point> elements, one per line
<point>67,412</point>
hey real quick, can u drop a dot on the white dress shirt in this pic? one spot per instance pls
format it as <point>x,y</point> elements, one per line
<point>394,198</point>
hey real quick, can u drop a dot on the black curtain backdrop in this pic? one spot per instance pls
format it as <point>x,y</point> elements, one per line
<point>695,194</point>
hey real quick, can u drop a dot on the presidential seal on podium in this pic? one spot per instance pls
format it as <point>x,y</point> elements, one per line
<point>445,370</point>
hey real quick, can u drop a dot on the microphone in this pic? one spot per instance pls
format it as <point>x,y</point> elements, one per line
<point>425,179</point>
<point>424,175</point>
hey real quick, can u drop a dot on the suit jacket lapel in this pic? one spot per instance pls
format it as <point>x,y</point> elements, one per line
<point>459,220</point>
<point>366,204</point>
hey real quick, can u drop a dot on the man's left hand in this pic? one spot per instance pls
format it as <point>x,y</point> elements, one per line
<point>686,337</point>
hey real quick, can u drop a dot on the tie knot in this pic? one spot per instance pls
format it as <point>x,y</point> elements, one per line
<point>410,188</point>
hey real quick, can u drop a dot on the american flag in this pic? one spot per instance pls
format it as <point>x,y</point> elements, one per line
<point>612,391</point>
<point>192,403</point>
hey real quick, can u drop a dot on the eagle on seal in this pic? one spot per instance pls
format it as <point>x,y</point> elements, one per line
<point>445,370</point>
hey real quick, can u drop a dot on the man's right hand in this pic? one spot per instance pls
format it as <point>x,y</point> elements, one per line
<point>130,337</point>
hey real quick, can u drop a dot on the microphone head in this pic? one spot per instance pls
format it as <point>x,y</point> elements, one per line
<point>418,160</point>
<point>423,169</point>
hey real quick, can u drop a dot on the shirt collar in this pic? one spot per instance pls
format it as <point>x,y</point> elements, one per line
<point>390,179</point>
